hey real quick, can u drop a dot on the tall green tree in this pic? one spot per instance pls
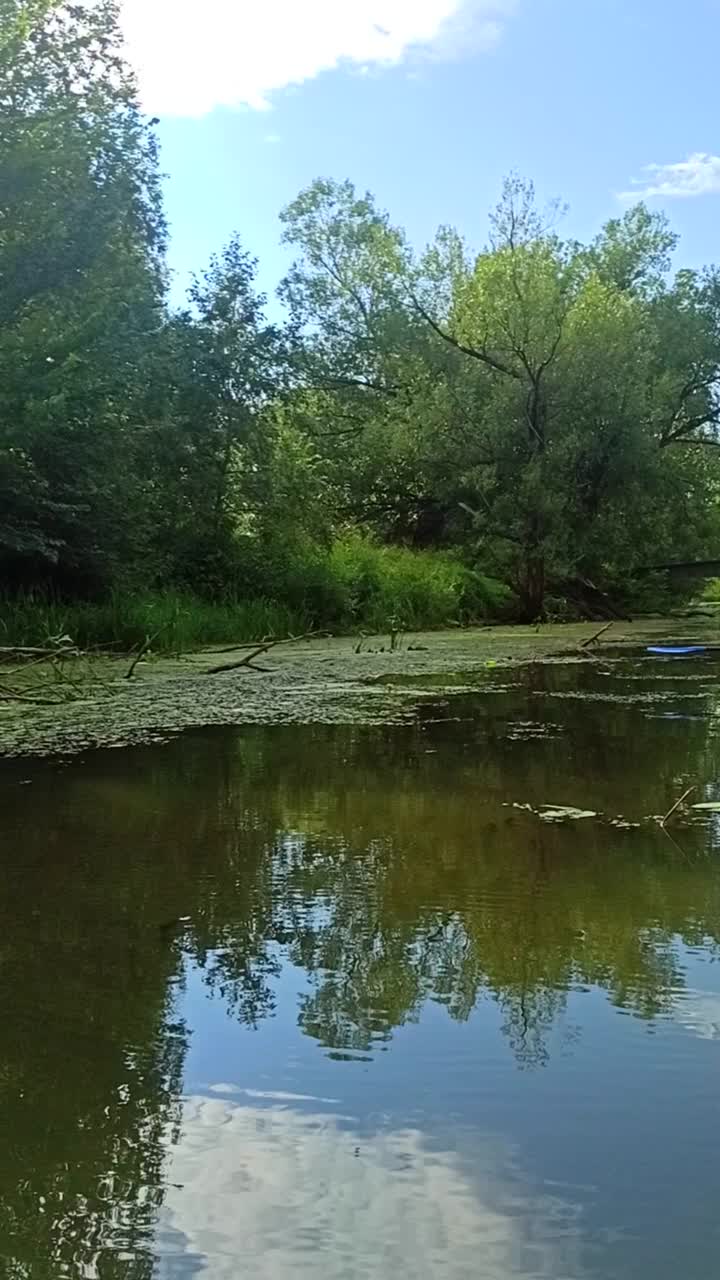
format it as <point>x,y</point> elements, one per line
<point>589,364</point>
<point>81,243</point>
<point>222,368</point>
<point>528,395</point>
<point>359,351</point>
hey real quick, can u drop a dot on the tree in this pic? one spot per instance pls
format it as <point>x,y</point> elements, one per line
<point>81,243</point>
<point>223,367</point>
<point>359,351</point>
<point>586,366</point>
<point>522,400</point>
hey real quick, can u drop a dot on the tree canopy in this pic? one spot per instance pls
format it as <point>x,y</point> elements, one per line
<point>545,410</point>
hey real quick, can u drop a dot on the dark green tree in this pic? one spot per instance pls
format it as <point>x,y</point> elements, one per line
<point>81,244</point>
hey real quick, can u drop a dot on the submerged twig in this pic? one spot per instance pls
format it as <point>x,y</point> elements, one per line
<point>677,804</point>
<point>18,695</point>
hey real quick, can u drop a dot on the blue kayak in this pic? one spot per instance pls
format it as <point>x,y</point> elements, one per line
<point>677,650</point>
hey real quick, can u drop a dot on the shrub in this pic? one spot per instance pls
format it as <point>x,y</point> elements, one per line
<point>280,589</point>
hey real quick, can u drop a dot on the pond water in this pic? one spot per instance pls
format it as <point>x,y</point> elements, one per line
<point>349,1002</point>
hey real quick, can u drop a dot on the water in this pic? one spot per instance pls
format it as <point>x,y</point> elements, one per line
<point>281,1002</point>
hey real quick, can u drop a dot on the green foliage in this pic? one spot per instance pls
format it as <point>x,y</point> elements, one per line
<point>562,397</point>
<point>418,590</point>
<point>354,584</point>
<point>81,241</point>
<point>711,591</point>
<point>544,409</point>
<point>179,623</point>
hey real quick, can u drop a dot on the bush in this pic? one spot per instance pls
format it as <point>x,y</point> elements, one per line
<point>281,590</point>
<point>711,591</point>
<point>414,589</point>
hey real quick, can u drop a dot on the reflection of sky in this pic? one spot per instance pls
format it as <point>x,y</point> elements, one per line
<point>596,1164</point>
<point>275,1192</point>
<point>699,1013</point>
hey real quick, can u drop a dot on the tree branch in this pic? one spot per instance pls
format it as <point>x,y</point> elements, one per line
<point>477,353</point>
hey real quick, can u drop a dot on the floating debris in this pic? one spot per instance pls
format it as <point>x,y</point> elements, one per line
<point>563,813</point>
<point>557,812</point>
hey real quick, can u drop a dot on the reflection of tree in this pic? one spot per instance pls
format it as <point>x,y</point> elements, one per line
<point>381,862</point>
<point>409,881</point>
<point>91,1074</point>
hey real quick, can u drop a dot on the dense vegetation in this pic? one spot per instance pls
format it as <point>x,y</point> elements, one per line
<point>541,413</point>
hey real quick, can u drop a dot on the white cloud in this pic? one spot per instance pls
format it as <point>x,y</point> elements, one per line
<point>699,175</point>
<point>194,55</point>
<point>280,1195</point>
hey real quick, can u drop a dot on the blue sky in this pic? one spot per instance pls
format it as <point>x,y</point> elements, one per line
<point>428,103</point>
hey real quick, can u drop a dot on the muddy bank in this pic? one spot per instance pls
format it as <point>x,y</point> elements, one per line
<point>311,682</point>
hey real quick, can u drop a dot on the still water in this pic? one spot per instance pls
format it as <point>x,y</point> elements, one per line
<point>282,1002</point>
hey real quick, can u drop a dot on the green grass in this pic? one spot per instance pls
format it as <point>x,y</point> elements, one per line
<point>178,622</point>
<point>355,585</point>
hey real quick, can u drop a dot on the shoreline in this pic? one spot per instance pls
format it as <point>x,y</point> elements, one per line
<point>311,681</point>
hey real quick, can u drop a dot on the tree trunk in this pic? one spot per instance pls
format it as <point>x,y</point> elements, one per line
<point>533,587</point>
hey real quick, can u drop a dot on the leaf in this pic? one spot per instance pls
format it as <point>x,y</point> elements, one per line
<point>710,806</point>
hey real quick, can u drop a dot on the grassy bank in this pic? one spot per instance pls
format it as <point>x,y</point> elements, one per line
<point>353,586</point>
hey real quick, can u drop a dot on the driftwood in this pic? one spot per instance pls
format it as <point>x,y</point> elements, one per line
<point>35,653</point>
<point>18,695</point>
<point>63,686</point>
<point>147,644</point>
<point>591,639</point>
<point>248,660</point>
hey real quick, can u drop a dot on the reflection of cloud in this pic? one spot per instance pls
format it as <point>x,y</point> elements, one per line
<point>699,1012</point>
<point>275,1193</point>
<point>270,1095</point>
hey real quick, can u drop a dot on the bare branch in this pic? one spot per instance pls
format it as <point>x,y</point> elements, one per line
<point>477,353</point>
<point>247,661</point>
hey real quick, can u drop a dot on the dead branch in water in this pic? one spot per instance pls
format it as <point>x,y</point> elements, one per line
<point>235,648</point>
<point>147,644</point>
<point>591,639</point>
<point>19,695</point>
<point>247,661</point>
<point>677,804</point>
<point>35,653</point>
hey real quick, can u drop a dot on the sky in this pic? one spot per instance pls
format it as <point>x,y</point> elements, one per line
<point>428,104</point>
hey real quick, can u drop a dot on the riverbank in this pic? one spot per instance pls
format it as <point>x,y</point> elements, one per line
<point>312,681</point>
<point>352,585</point>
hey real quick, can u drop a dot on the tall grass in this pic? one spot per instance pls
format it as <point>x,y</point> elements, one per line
<point>353,585</point>
<point>176,622</point>
<point>381,585</point>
